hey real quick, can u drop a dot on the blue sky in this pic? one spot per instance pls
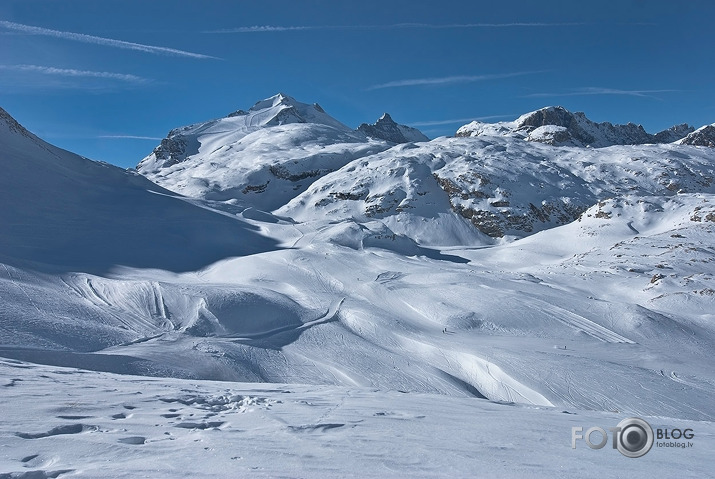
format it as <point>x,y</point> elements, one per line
<point>107,79</point>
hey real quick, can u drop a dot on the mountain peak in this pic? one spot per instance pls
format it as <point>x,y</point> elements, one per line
<point>385,128</point>
<point>276,100</point>
<point>385,118</point>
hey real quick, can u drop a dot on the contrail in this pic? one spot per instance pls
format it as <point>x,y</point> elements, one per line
<point>109,42</point>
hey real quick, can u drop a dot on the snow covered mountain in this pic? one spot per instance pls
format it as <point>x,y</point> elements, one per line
<point>386,129</point>
<point>262,157</point>
<point>558,126</point>
<point>424,289</point>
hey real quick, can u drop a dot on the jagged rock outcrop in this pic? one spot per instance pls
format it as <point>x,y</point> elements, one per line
<point>704,136</point>
<point>387,129</point>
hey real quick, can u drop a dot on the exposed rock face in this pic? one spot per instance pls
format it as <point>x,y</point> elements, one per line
<point>171,150</point>
<point>674,133</point>
<point>553,115</point>
<point>704,136</point>
<point>387,129</point>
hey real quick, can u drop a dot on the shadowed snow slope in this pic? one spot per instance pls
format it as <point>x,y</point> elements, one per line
<point>64,210</point>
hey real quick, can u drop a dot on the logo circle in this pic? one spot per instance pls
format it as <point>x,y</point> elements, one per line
<point>635,437</point>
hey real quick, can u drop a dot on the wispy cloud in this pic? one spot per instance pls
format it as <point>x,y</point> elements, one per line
<point>108,42</point>
<point>129,137</point>
<point>447,80</point>
<point>601,91</point>
<point>459,120</point>
<point>69,72</point>
<point>432,26</point>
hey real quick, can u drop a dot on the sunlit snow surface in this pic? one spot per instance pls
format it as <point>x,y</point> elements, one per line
<point>351,344</point>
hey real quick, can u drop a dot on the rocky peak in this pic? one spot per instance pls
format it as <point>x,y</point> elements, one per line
<point>557,116</point>
<point>385,128</point>
<point>551,115</point>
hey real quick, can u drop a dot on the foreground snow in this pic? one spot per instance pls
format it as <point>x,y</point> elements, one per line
<point>60,422</point>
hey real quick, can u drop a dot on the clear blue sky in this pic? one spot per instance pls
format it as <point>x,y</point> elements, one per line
<point>89,75</point>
